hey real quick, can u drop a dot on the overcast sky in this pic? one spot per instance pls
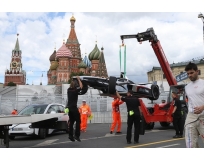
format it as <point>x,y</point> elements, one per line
<point>180,34</point>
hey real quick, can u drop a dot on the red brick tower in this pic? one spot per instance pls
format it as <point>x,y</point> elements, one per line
<point>15,74</point>
<point>73,45</point>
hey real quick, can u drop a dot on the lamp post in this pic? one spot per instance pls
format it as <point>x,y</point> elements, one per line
<point>202,18</point>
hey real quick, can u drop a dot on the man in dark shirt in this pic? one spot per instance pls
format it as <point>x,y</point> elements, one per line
<point>74,115</point>
<point>178,120</point>
<point>134,112</point>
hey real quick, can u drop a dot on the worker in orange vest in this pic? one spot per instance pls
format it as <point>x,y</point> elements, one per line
<point>85,112</point>
<point>116,115</point>
<point>14,112</point>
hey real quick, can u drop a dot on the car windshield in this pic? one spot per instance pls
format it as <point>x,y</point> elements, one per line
<point>33,109</point>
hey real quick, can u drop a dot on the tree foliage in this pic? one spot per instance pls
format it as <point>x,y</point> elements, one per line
<point>11,84</point>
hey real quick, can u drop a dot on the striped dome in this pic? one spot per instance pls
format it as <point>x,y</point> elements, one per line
<point>95,54</point>
<point>63,52</point>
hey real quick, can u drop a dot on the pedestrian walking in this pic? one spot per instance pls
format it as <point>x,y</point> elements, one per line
<point>194,124</point>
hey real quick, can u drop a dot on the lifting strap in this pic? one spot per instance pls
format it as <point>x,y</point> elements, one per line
<point>123,58</point>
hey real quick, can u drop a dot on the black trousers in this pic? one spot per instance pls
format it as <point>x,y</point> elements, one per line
<point>74,116</point>
<point>178,122</point>
<point>130,120</point>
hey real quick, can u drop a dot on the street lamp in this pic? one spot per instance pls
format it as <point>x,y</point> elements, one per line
<point>202,18</point>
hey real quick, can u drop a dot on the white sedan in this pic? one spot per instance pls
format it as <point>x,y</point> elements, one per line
<point>27,129</point>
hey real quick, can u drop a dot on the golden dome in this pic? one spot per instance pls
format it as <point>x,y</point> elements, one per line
<point>54,65</point>
<point>72,18</point>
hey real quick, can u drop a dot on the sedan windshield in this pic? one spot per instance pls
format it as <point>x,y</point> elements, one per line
<point>33,109</point>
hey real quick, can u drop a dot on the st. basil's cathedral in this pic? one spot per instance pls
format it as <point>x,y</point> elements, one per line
<point>67,59</point>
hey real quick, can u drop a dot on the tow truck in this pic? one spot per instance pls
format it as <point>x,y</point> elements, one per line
<point>158,112</point>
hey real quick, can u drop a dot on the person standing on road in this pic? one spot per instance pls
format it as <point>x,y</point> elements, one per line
<point>85,112</point>
<point>74,115</point>
<point>177,114</point>
<point>14,112</point>
<point>134,115</point>
<point>116,115</point>
<point>194,125</point>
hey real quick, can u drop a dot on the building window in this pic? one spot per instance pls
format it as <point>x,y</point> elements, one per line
<point>199,72</point>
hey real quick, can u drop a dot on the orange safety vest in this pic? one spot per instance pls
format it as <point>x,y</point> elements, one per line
<point>115,105</point>
<point>14,112</point>
<point>85,110</point>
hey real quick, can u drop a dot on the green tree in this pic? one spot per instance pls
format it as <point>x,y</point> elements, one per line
<point>11,84</point>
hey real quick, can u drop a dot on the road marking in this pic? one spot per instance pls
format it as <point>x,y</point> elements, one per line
<point>169,145</point>
<point>158,142</point>
<point>48,142</point>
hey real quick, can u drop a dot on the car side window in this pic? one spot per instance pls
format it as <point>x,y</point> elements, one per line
<point>51,108</point>
<point>61,109</point>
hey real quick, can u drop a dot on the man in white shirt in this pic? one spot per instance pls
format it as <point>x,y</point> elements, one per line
<point>194,125</point>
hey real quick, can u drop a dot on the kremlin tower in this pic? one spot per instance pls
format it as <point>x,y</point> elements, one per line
<point>15,73</point>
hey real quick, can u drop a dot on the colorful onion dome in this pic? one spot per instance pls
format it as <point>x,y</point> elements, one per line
<point>53,56</point>
<point>95,54</point>
<point>82,65</point>
<point>87,62</point>
<point>63,52</point>
<point>54,65</point>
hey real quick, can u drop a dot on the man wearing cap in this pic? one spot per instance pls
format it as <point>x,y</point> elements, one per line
<point>14,112</point>
<point>85,112</point>
<point>116,115</point>
<point>134,115</point>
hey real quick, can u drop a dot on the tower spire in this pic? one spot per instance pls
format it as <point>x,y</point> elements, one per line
<point>17,48</point>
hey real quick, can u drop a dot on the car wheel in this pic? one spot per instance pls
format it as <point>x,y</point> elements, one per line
<point>84,89</point>
<point>42,133</point>
<point>12,137</point>
<point>154,92</point>
<point>112,85</point>
<point>165,124</point>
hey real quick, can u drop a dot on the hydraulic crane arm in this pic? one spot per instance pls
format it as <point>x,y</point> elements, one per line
<point>155,43</point>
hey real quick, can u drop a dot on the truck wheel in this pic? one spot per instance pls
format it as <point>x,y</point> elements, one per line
<point>165,124</point>
<point>150,125</point>
<point>12,137</point>
<point>112,85</point>
<point>42,133</point>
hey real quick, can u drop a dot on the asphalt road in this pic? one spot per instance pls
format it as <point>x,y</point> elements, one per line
<point>98,136</point>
